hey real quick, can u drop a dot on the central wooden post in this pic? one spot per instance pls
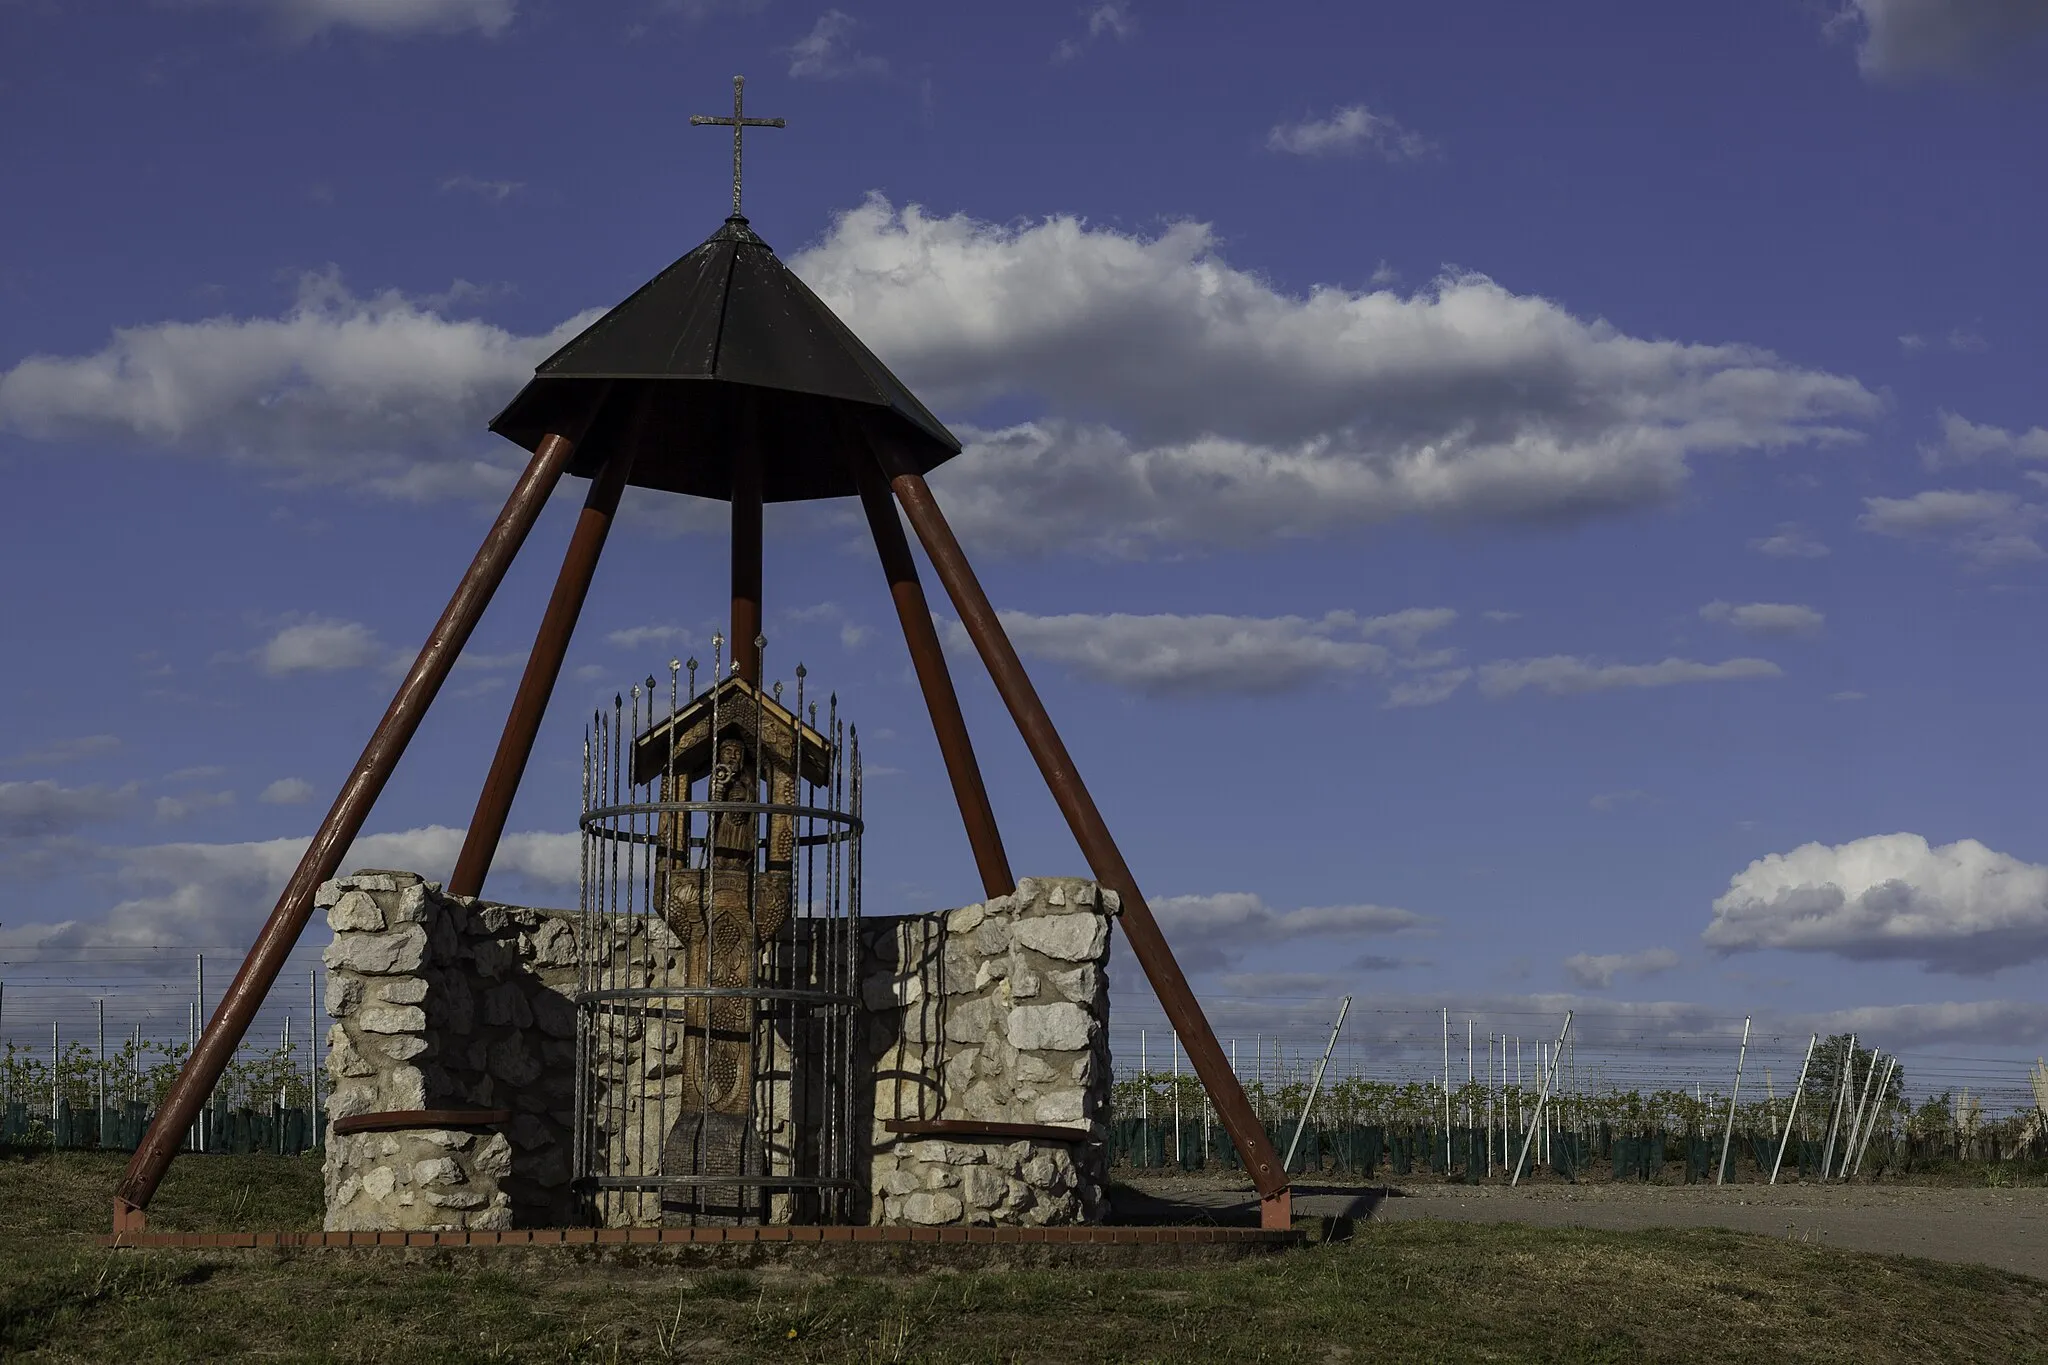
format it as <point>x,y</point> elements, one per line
<point>746,547</point>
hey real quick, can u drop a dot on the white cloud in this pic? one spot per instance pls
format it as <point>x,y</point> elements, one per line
<point>1597,972</point>
<point>1958,339</point>
<point>221,893</point>
<point>44,809</point>
<point>2015,1023</point>
<point>1957,907</point>
<point>379,394</point>
<point>1565,675</point>
<point>1353,128</point>
<point>1175,655</point>
<point>1765,618</point>
<point>1989,528</point>
<point>1185,401</point>
<point>1608,802</point>
<point>1789,541</point>
<point>1900,40</point>
<point>1207,932</point>
<point>173,808</point>
<point>303,19</point>
<point>1108,19</point>
<point>319,645</point>
<point>1427,689</point>
<point>287,791</point>
<point>61,751</point>
<point>639,637</point>
<point>1963,441</point>
<point>827,51</point>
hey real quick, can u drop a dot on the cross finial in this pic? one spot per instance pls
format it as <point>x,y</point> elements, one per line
<point>737,122</point>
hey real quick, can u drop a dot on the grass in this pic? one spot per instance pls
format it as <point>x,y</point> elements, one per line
<point>1407,1291</point>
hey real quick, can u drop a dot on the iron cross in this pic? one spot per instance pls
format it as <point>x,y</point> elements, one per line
<point>737,122</point>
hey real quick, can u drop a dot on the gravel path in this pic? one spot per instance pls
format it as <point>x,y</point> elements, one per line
<point>2006,1229</point>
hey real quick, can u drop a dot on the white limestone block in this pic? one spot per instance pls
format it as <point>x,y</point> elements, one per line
<point>392,1019</point>
<point>378,954</point>
<point>355,911</point>
<point>1063,1027</point>
<point>1070,938</point>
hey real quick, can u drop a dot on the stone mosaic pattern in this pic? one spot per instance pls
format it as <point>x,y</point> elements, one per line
<point>995,1012</point>
<point>442,1002</point>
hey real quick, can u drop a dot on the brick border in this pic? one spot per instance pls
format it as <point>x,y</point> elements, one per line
<point>540,1237</point>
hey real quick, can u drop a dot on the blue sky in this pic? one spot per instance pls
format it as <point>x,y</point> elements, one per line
<point>1556,491</point>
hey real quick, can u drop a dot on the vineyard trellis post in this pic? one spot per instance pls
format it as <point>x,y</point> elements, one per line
<point>1315,1086</point>
<point>1864,1146</point>
<point>1856,1127</point>
<point>1542,1097</point>
<point>1797,1091</point>
<point>1728,1129</point>
<point>1844,1072</point>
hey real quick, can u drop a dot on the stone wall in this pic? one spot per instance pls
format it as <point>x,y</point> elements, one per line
<point>992,1013</point>
<point>442,1002</point>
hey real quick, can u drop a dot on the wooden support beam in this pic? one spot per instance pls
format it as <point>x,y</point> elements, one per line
<point>237,1009</point>
<point>543,668</point>
<point>934,678</point>
<point>1149,945</point>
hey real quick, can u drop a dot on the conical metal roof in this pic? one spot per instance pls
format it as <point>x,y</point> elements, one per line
<point>726,340</point>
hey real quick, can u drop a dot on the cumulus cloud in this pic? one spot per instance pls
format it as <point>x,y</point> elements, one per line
<point>45,809</point>
<point>381,394</point>
<point>221,893</point>
<point>827,51</point>
<point>287,791</point>
<point>1566,675</point>
<point>303,19</point>
<point>1958,907</point>
<point>1789,541</point>
<point>1353,128</point>
<point>1765,618</point>
<point>1963,441</point>
<point>1167,655</point>
<point>1901,40</point>
<point>1182,400</point>
<point>1596,972</point>
<point>319,645</point>
<point>1208,932</point>
<point>1987,527</point>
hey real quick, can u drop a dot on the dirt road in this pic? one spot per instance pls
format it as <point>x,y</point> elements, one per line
<point>2004,1228</point>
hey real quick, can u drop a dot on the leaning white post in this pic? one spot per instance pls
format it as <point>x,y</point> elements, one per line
<point>1856,1128</point>
<point>1876,1104</point>
<point>1728,1130</point>
<point>1315,1086</point>
<point>1793,1113</point>
<point>1843,1077</point>
<point>1542,1095</point>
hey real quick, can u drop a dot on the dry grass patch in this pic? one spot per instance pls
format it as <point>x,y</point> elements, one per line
<point>1409,1291</point>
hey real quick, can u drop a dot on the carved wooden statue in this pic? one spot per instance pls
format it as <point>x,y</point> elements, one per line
<point>726,892</point>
